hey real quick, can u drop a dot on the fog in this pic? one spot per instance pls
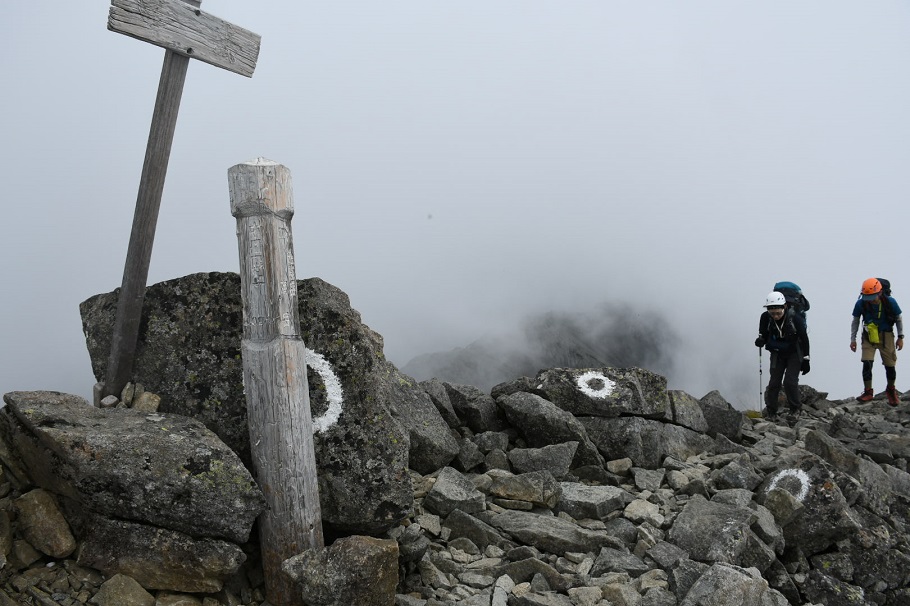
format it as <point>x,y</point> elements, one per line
<point>463,168</point>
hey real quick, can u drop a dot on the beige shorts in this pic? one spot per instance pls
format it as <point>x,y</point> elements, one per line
<point>886,348</point>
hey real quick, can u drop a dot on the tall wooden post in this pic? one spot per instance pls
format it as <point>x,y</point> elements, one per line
<point>185,31</point>
<point>274,371</point>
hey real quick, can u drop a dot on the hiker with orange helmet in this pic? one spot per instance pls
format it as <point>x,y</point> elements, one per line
<point>782,331</point>
<point>880,314</point>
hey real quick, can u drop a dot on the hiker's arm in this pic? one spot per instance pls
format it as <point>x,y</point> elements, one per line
<point>802,336</point>
<point>853,328</point>
<point>764,325</point>
<point>899,325</point>
<point>762,336</point>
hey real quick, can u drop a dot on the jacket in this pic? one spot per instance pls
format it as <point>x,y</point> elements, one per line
<point>787,336</point>
<point>884,312</point>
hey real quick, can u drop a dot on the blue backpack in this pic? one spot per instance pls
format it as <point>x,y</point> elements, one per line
<point>794,296</point>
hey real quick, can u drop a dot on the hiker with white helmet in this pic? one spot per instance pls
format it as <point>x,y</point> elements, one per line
<point>880,314</point>
<point>782,332</point>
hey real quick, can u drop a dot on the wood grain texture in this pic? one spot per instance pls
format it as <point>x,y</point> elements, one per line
<point>184,29</point>
<point>274,372</point>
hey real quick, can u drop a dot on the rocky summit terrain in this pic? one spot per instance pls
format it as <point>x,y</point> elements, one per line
<point>574,486</point>
<point>772,514</point>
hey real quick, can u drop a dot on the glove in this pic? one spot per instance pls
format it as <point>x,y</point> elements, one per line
<point>760,341</point>
<point>804,367</point>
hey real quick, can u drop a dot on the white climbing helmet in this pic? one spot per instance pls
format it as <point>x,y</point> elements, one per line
<point>775,298</point>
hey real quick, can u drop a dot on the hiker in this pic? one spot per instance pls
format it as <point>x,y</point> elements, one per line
<point>782,331</point>
<point>880,313</point>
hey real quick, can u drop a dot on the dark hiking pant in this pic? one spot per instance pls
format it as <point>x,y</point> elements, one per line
<point>784,370</point>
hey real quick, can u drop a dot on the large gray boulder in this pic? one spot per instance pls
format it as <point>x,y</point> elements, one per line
<point>721,417</point>
<point>876,484</point>
<point>538,487</point>
<point>432,445</point>
<point>875,559</point>
<point>480,533</point>
<point>645,441</point>
<point>606,392</point>
<point>738,473</point>
<point>611,559</point>
<point>440,398</point>
<point>825,589</point>
<point>189,354</point>
<point>724,584</point>
<point>41,524</point>
<point>352,570</point>
<point>453,491</point>
<point>805,499</point>
<point>719,532</point>
<point>159,469</point>
<point>596,502</point>
<point>687,411</point>
<point>474,408</point>
<point>556,459</point>
<point>552,534</point>
<point>156,557</point>
<point>542,423</point>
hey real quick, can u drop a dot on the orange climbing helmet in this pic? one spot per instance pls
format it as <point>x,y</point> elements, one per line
<point>871,288</point>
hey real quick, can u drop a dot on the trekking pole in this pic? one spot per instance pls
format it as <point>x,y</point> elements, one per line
<point>759,381</point>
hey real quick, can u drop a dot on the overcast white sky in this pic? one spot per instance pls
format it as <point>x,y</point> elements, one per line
<point>458,165</point>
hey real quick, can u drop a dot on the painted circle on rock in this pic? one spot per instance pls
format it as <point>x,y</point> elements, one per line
<point>801,476</point>
<point>595,384</point>
<point>333,391</point>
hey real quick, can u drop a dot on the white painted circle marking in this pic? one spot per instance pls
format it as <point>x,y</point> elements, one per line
<point>333,391</point>
<point>799,475</point>
<point>584,379</point>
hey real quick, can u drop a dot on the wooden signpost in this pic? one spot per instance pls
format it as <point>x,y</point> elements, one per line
<point>185,32</point>
<point>274,372</point>
<point>274,360</point>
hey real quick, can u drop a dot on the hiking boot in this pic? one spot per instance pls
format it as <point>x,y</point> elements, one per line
<point>792,417</point>
<point>866,396</point>
<point>893,398</point>
<point>770,416</point>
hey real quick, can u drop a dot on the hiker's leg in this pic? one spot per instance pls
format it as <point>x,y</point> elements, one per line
<point>867,357</point>
<point>889,357</point>
<point>867,373</point>
<point>791,383</point>
<point>775,378</point>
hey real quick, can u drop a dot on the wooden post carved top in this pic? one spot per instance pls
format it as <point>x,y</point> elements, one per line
<point>261,187</point>
<point>262,201</point>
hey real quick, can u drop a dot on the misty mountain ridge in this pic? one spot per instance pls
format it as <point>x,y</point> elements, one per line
<point>616,334</point>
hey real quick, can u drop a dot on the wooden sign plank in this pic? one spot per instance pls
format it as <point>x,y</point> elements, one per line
<point>186,30</point>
